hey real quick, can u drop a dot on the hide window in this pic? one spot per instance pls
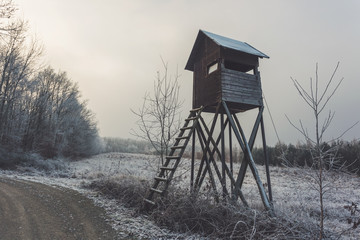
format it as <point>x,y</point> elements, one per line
<point>237,66</point>
<point>212,67</point>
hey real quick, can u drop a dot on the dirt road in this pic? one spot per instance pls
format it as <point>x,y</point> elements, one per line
<point>36,211</point>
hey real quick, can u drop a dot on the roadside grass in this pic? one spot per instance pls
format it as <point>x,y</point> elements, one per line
<point>33,163</point>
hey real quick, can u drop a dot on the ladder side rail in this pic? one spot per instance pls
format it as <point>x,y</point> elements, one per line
<point>167,161</point>
<point>195,124</point>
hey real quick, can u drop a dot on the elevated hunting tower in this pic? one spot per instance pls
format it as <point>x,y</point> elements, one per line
<point>226,81</point>
<point>225,70</point>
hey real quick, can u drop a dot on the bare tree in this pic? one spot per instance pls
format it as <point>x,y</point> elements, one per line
<point>58,122</point>
<point>7,10</point>
<point>159,116</point>
<point>40,110</point>
<point>324,158</point>
<point>18,58</point>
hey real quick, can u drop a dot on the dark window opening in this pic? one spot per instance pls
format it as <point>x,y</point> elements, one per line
<point>238,67</point>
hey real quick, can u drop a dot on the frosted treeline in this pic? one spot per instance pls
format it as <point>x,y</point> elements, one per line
<point>40,109</point>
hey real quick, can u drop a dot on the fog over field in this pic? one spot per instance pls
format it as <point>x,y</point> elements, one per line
<point>80,79</point>
<point>112,49</point>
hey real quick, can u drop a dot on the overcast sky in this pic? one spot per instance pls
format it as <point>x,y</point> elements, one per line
<point>112,48</point>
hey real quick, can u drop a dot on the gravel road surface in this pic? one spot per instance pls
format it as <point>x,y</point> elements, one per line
<point>31,210</point>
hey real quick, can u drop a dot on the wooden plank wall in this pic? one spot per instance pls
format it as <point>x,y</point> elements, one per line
<point>238,87</point>
<point>242,91</point>
<point>207,87</point>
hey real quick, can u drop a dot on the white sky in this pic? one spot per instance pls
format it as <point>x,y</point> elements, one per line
<point>112,49</point>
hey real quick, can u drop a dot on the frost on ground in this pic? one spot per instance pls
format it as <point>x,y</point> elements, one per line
<point>293,194</point>
<point>74,174</point>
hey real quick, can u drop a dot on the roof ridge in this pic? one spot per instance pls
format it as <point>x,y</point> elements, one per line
<point>234,44</point>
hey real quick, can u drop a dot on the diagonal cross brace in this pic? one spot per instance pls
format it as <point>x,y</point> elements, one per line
<point>240,135</point>
<point>241,175</point>
<point>229,173</point>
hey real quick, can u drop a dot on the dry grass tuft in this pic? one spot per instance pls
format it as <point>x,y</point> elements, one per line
<point>128,189</point>
<point>182,212</point>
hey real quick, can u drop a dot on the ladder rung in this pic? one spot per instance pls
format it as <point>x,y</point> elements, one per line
<point>186,128</point>
<point>156,190</point>
<point>149,201</point>
<point>191,118</point>
<point>172,157</point>
<point>167,168</point>
<point>161,179</point>
<point>195,109</point>
<point>177,147</point>
<point>179,138</point>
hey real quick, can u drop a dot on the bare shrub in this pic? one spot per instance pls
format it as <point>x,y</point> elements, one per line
<point>34,163</point>
<point>354,218</point>
<point>10,158</point>
<point>159,116</point>
<point>128,189</point>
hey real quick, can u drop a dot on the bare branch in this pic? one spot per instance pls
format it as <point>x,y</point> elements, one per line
<point>159,118</point>
<point>329,82</point>
<point>331,95</point>
<point>303,93</point>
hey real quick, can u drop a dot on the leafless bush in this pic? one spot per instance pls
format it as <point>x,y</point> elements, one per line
<point>159,116</point>
<point>34,163</point>
<point>129,190</point>
<point>354,218</point>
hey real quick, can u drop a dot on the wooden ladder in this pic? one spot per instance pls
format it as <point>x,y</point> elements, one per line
<point>167,171</point>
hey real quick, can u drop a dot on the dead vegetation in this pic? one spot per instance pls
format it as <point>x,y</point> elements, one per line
<point>129,190</point>
<point>123,179</point>
<point>181,212</point>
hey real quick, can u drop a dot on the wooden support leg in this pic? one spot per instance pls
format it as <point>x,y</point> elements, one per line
<point>238,191</point>
<point>207,169</point>
<point>192,161</point>
<point>244,164</point>
<point>223,177</point>
<point>205,149</point>
<point>231,157</point>
<point>197,181</point>
<point>211,159</point>
<point>202,139</point>
<point>252,165</point>
<point>266,159</point>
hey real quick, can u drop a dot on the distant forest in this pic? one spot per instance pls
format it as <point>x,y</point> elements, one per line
<point>112,144</point>
<point>40,109</point>
<point>348,155</point>
<point>348,152</point>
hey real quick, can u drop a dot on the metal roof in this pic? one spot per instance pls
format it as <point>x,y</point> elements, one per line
<point>222,42</point>
<point>234,44</point>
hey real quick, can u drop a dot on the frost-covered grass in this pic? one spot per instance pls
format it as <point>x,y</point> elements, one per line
<point>293,192</point>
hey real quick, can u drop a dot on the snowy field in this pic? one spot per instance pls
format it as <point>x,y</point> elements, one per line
<point>293,191</point>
